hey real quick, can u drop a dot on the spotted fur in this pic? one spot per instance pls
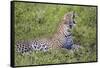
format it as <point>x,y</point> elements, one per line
<point>30,46</point>
<point>60,38</point>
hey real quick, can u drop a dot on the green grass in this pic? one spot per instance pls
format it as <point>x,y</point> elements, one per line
<point>41,20</point>
<point>54,57</point>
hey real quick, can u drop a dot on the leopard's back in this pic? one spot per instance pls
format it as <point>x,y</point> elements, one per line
<point>33,45</point>
<point>23,47</point>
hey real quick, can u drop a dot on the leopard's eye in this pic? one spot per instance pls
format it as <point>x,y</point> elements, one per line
<point>17,45</point>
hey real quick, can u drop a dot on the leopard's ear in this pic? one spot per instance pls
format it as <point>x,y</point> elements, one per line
<point>74,14</point>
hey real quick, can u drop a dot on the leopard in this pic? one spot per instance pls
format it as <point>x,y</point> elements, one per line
<point>60,39</point>
<point>63,37</point>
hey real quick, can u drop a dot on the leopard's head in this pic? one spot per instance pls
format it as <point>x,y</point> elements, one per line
<point>69,19</point>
